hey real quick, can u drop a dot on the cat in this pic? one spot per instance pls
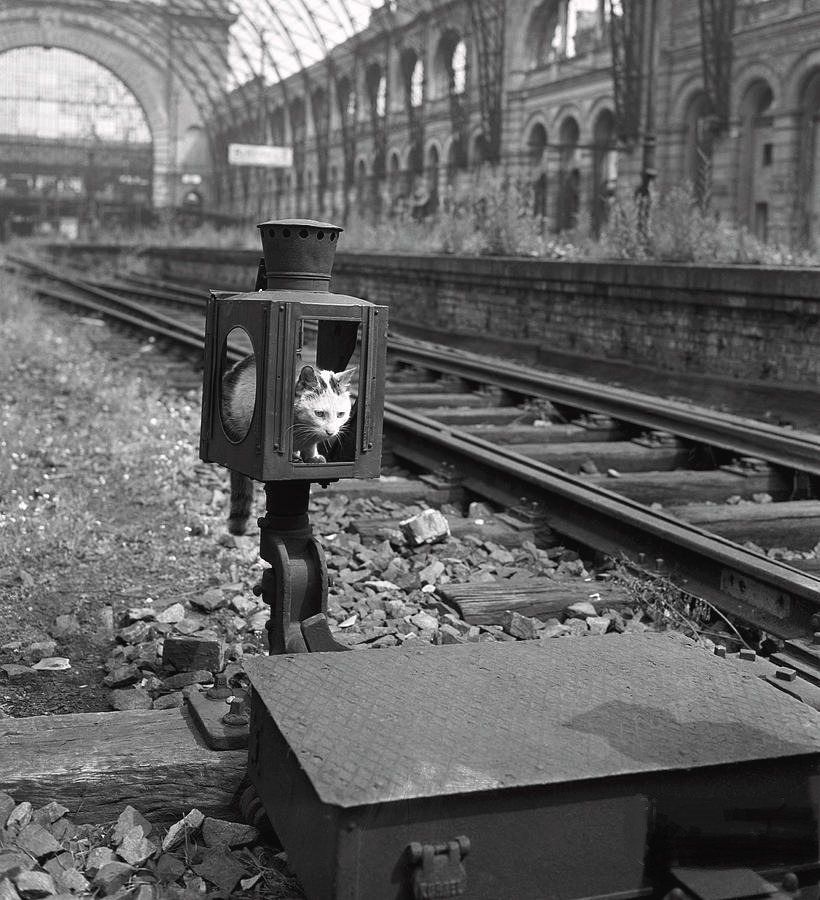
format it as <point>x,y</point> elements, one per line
<point>321,410</point>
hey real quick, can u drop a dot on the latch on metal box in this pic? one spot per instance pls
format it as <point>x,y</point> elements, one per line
<point>438,869</point>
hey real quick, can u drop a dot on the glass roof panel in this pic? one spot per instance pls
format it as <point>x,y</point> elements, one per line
<point>276,38</point>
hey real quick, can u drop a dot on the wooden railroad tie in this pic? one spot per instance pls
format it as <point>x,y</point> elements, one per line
<point>97,763</point>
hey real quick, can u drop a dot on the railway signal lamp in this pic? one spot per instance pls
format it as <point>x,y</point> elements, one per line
<point>291,321</point>
<point>293,326</point>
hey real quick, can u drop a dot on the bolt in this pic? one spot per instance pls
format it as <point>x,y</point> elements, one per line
<point>785,674</point>
<point>257,590</point>
<point>746,653</point>
<point>791,883</point>
<point>236,715</point>
<point>220,690</point>
<point>720,650</point>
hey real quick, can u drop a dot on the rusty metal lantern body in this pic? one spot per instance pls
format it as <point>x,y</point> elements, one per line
<point>292,302</point>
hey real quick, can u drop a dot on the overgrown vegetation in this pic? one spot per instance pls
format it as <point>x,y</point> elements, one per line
<point>489,214</point>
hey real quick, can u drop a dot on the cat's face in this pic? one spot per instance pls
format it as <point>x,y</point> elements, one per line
<point>323,404</point>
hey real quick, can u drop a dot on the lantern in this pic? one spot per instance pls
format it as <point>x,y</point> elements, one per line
<point>292,324</point>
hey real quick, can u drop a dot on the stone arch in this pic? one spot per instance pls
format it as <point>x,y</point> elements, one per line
<point>682,98</point>
<point>755,155</point>
<point>807,161</point>
<point>92,37</point>
<point>568,200</point>
<point>604,166</point>
<point>750,75</point>
<point>535,139</point>
<point>538,36</point>
<point>441,72</point>
<point>537,142</point>
<point>699,123</point>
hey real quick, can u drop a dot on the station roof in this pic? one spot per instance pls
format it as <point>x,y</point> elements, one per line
<point>276,38</point>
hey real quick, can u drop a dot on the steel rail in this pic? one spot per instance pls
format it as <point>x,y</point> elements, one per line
<point>110,297</point>
<point>782,598</point>
<point>793,449</point>
<point>176,331</point>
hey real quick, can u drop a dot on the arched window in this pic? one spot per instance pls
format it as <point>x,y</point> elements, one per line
<point>755,159</point>
<point>808,162</point>
<point>569,176</point>
<point>417,84</point>
<point>376,90</point>
<point>604,168</point>
<point>458,68</point>
<point>537,143</point>
<point>381,97</point>
<point>562,29</point>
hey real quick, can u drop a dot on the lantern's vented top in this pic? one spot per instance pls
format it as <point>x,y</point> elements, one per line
<point>298,253</point>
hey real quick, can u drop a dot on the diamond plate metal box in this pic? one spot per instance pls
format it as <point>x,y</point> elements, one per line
<point>574,767</point>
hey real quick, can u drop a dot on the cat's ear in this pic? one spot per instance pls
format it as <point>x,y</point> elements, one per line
<point>308,380</point>
<point>345,378</point>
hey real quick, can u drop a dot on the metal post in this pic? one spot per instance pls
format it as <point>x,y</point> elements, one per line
<point>648,170</point>
<point>295,587</point>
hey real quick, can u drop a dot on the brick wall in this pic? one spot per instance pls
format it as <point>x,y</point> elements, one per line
<point>747,323</point>
<point>737,323</point>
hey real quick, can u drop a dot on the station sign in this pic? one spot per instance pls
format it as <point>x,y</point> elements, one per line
<point>260,155</point>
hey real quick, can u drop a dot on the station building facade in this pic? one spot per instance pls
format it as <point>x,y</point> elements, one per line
<point>404,114</point>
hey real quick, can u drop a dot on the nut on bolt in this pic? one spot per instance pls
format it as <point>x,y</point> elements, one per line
<point>220,690</point>
<point>237,716</point>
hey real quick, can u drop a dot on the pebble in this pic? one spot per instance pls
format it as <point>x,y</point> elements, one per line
<point>128,819</point>
<point>428,527</point>
<point>525,628</point>
<point>171,614</point>
<point>186,826</point>
<point>112,877</point>
<point>41,649</point>
<point>210,600</point>
<point>219,832</point>
<point>130,698</point>
<point>184,679</point>
<point>33,884</point>
<point>37,841</point>
<point>598,624</point>
<point>20,816</point>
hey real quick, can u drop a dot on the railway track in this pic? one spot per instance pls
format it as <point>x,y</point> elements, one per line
<point>605,469</point>
<point>623,473</point>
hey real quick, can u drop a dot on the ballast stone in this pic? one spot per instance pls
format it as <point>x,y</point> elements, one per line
<point>428,527</point>
<point>187,653</point>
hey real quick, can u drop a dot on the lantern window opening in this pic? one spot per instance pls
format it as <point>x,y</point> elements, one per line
<point>327,344</point>
<point>233,376</point>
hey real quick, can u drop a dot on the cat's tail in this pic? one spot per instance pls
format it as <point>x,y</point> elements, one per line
<point>241,503</point>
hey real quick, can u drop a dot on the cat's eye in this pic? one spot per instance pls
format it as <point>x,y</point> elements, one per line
<point>320,414</point>
<point>340,415</point>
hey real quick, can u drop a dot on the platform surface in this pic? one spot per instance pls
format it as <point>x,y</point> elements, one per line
<point>379,726</point>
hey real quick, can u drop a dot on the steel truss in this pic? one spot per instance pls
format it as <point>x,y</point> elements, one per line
<point>717,22</point>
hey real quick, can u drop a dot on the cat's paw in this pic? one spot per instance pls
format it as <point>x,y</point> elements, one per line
<point>317,458</point>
